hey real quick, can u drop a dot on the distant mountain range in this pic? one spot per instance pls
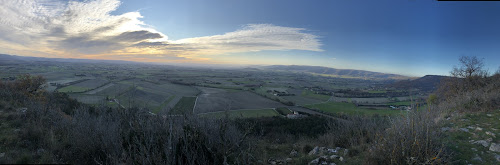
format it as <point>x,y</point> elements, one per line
<point>319,70</point>
<point>13,59</point>
<point>426,83</point>
<point>342,73</point>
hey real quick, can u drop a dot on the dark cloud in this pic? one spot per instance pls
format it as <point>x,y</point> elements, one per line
<point>150,44</point>
<point>136,36</point>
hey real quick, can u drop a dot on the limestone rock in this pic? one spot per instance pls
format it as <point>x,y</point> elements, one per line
<point>314,151</point>
<point>315,161</point>
<point>294,153</point>
<point>495,147</point>
<point>497,157</point>
<point>483,143</point>
<point>490,133</point>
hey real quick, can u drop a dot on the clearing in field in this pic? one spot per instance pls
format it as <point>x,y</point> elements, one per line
<point>213,100</point>
<point>251,113</point>
<point>349,108</point>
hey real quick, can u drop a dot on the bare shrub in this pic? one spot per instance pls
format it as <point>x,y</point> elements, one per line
<point>412,139</point>
<point>355,131</point>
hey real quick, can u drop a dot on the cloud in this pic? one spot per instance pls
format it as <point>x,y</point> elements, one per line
<point>88,29</point>
<point>256,37</point>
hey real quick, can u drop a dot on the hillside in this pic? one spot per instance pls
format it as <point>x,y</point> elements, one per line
<point>426,83</point>
<point>343,73</point>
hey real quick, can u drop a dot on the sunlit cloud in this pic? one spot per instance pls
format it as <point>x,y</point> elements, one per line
<point>87,29</point>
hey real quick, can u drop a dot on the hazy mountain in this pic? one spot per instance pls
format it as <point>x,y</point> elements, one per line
<point>13,59</point>
<point>426,83</point>
<point>343,73</point>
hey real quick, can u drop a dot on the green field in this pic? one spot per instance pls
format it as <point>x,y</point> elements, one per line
<point>253,113</point>
<point>349,108</point>
<point>311,94</point>
<point>283,111</point>
<point>184,106</point>
<point>159,108</point>
<point>73,88</point>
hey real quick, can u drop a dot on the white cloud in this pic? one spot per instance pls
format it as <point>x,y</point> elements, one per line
<point>79,28</point>
<point>255,37</point>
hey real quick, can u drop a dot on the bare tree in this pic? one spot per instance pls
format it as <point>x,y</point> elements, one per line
<point>470,67</point>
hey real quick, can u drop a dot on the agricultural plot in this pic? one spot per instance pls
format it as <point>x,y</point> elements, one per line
<point>252,113</point>
<point>83,86</point>
<point>88,99</point>
<point>155,96</point>
<point>142,98</point>
<point>349,108</point>
<point>213,100</point>
<point>184,106</point>
<point>299,100</point>
<point>312,95</point>
<point>61,81</point>
<point>115,90</point>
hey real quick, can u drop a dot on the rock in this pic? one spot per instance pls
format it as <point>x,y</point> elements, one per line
<point>325,163</point>
<point>464,129</point>
<point>470,127</point>
<point>479,129</point>
<point>332,164</point>
<point>271,161</point>
<point>482,142</point>
<point>22,110</point>
<point>477,158</point>
<point>2,155</point>
<point>314,151</point>
<point>331,150</point>
<point>448,118</point>
<point>315,161</point>
<point>489,140</point>
<point>489,115</point>
<point>490,133</point>
<point>294,153</point>
<point>495,147</point>
<point>333,156</point>
<point>346,151</point>
<point>321,150</point>
<point>497,157</point>
<point>444,129</point>
<point>288,159</point>
<point>40,151</point>
<point>341,159</point>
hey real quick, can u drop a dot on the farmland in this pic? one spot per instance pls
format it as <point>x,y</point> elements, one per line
<point>349,108</point>
<point>162,88</point>
<point>213,100</point>
<point>250,113</point>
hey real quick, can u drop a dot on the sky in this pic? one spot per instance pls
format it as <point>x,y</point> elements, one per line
<point>408,37</point>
